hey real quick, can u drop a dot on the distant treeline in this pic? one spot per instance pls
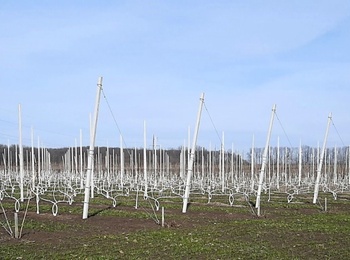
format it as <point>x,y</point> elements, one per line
<point>284,155</point>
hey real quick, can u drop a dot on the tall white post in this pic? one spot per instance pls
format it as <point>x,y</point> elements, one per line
<point>278,164</point>
<point>145,160</point>
<point>182,161</point>
<point>349,165</point>
<point>335,176</point>
<point>192,154</point>
<point>121,163</point>
<point>187,149</point>
<point>300,164</point>
<point>107,164</point>
<point>81,159</point>
<point>39,161</point>
<point>210,168</point>
<point>155,155</point>
<point>232,169</point>
<point>91,151</point>
<point>319,166</point>
<point>75,159</point>
<point>33,158</point>
<point>21,169</point>
<point>262,172</point>
<point>223,163</point>
<point>136,168</point>
<point>9,167</point>
<point>252,166</point>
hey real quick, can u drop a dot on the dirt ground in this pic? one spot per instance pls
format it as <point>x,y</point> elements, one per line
<point>105,225</point>
<point>68,230</point>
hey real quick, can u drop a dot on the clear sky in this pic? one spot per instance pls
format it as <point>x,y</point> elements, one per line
<point>157,57</point>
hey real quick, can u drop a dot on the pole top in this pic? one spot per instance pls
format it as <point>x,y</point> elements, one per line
<point>99,83</point>
<point>274,108</point>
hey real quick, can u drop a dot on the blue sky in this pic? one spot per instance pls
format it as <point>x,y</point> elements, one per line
<point>157,57</point>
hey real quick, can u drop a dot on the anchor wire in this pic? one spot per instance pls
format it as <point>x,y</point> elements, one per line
<point>284,131</point>
<point>337,132</point>
<point>114,119</point>
<point>212,122</point>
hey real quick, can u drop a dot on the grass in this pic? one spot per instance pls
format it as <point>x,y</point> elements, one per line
<point>297,230</point>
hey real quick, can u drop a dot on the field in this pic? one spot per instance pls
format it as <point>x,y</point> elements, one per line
<point>209,230</point>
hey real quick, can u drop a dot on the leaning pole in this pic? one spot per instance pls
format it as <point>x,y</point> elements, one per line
<point>192,153</point>
<point>91,150</point>
<point>319,166</point>
<point>262,172</point>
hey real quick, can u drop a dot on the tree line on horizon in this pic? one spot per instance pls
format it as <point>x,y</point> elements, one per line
<point>334,157</point>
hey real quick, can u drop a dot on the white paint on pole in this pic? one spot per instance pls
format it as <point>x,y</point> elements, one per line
<point>121,162</point>
<point>262,171</point>
<point>91,151</point>
<point>210,168</point>
<point>319,167</point>
<point>349,165</point>
<point>192,154</point>
<point>278,164</point>
<point>182,160</point>
<point>33,158</point>
<point>136,168</point>
<point>300,164</point>
<point>335,177</point>
<point>188,145</point>
<point>223,163</point>
<point>252,166</point>
<point>145,160</point>
<point>21,169</point>
<point>232,158</point>
<point>39,161</point>
<point>81,159</point>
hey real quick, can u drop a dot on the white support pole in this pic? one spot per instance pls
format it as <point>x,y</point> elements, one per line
<point>319,167</point>
<point>136,168</point>
<point>182,162</point>
<point>335,176</point>
<point>39,161</point>
<point>107,164</point>
<point>93,164</point>
<point>91,151</point>
<point>81,159</point>
<point>232,169</point>
<point>278,164</point>
<point>192,154</point>
<point>33,158</point>
<point>121,163</point>
<point>262,172</point>
<point>145,160</point>
<point>349,165</point>
<point>163,217</point>
<point>155,155</point>
<point>8,160</point>
<point>21,169</point>
<point>252,166</point>
<point>223,163</point>
<point>300,164</point>
<point>210,168</point>
<point>202,170</point>
<point>188,145</point>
